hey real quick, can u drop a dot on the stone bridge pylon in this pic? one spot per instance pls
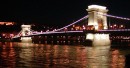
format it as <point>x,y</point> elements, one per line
<point>26,30</point>
<point>97,19</point>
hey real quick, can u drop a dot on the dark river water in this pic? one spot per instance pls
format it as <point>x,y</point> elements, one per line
<point>30,55</point>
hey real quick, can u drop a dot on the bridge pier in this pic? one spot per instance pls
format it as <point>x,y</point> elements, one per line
<point>26,39</point>
<point>98,39</point>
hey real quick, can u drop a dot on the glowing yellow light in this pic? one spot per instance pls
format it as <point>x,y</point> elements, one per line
<point>89,36</point>
<point>96,6</point>
<point>26,39</point>
<point>96,27</point>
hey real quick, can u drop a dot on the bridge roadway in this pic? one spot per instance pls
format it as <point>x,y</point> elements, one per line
<point>60,38</point>
<point>68,37</point>
<point>81,31</point>
<point>64,37</point>
<point>110,31</point>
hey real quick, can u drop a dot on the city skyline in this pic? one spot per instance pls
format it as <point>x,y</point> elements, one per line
<point>55,12</point>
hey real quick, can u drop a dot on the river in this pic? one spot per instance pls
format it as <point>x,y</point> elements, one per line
<point>30,55</point>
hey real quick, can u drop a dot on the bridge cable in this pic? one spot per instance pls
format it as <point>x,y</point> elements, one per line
<point>73,23</point>
<point>117,17</point>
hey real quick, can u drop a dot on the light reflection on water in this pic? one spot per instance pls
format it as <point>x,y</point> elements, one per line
<point>29,55</point>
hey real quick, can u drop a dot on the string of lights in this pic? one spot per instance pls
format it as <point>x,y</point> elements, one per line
<point>118,17</point>
<point>123,18</point>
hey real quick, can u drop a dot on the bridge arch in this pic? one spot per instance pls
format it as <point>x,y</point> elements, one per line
<point>100,24</point>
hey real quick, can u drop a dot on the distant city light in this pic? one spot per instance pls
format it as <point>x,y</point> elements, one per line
<point>7,23</point>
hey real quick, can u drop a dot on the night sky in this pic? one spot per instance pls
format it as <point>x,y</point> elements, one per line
<point>56,12</point>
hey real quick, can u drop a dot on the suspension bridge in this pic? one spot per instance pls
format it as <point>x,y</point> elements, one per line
<point>96,18</point>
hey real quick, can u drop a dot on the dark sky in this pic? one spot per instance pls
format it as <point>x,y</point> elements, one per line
<point>56,12</point>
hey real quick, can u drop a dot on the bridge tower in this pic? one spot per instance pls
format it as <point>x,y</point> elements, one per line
<point>99,21</point>
<point>96,17</point>
<point>26,30</point>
